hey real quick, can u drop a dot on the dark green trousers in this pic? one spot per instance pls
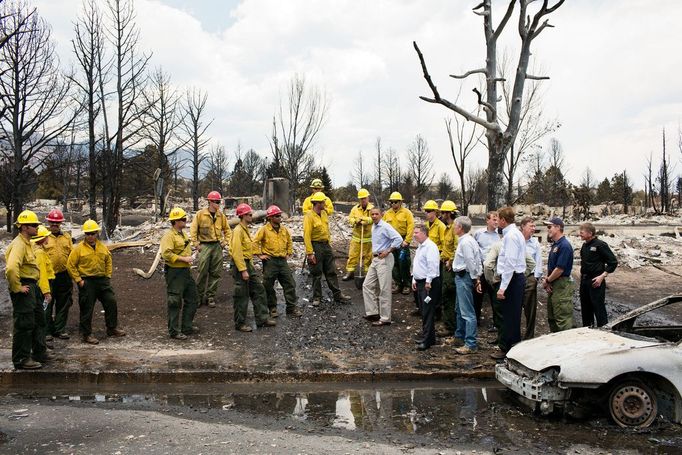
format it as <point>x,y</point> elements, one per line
<point>243,290</point>
<point>324,266</point>
<point>94,289</point>
<point>401,269</point>
<point>28,317</point>
<point>57,312</point>
<point>278,269</point>
<point>210,265</point>
<point>180,286</point>
<point>449,300</point>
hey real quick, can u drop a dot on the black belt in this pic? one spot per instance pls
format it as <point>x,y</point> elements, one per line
<point>461,273</point>
<point>209,241</point>
<point>27,280</point>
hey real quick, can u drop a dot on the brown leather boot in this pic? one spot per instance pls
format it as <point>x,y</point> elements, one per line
<point>115,332</point>
<point>89,339</point>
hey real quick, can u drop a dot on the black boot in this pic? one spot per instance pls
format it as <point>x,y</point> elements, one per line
<point>348,276</point>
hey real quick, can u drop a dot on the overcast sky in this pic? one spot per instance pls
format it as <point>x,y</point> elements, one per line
<point>615,69</point>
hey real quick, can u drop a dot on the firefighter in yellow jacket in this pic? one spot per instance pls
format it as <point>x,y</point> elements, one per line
<point>180,286</point>
<point>90,267</point>
<point>402,220</point>
<point>58,246</point>
<point>28,317</point>
<point>247,282</point>
<point>210,233</point>
<point>316,186</point>
<point>361,222</point>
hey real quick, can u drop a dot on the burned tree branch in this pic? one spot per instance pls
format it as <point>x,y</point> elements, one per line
<point>468,73</point>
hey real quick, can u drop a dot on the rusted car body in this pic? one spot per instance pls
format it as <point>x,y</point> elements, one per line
<point>632,366</point>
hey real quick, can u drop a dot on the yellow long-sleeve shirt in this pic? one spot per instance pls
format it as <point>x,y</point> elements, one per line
<point>315,229</point>
<point>46,270</point>
<point>87,261</point>
<point>402,221</point>
<point>205,228</point>
<point>58,248</point>
<point>307,205</point>
<point>241,246</point>
<point>20,263</point>
<point>274,243</point>
<point>364,231</point>
<point>437,233</point>
<point>449,243</point>
<point>173,245</point>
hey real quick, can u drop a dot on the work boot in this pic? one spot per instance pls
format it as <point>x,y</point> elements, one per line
<point>315,302</point>
<point>28,364</point>
<point>49,345</point>
<point>395,289</point>
<point>348,276</point>
<point>268,323</point>
<point>443,332</point>
<point>406,290</point>
<point>273,313</point>
<point>179,336</point>
<point>498,354</point>
<point>115,332</point>
<point>89,339</point>
<point>47,357</point>
<point>465,350</point>
<point>48,338</point>
<point>342,298</point>
<point>295,312</point>
<point>210,302</point>
<point>193,331</point>
<point>416,312</point>
<point>63,336</point>
<point>245,328</point>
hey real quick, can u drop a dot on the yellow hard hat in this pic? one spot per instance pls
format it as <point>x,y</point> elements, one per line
<point>41,234</point>
<point>27,217</point>
<point>176,214</point>
<point>363,193</point>
<point>317,184</point>
<point>431,205</point>
<point>395,196</point>
<point>448,206</point>
<point>318,197</point>
<point>91,226</point>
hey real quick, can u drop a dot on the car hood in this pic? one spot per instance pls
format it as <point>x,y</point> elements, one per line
<point>570,346</point>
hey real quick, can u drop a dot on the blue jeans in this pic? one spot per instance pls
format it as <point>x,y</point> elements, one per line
<point>467,328</point>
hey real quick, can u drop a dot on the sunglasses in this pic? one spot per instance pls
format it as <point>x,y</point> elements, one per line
<point>90,234</point>
<point>429,211</point>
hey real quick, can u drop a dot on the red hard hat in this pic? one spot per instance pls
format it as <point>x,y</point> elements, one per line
<point>214,196</point>
<point>55,215</point>
<point>273,210</point>
<point>243,209</point>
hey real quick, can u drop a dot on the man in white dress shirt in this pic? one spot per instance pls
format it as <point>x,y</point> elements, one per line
<point>426,283</point>
<point>468,268</point>
<point>511,266</point>
<point>530,294</point>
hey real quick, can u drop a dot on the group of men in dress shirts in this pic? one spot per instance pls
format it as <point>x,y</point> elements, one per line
<point>452,270</point>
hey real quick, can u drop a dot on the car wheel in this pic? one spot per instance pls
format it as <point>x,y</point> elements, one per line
<point>633,404</point>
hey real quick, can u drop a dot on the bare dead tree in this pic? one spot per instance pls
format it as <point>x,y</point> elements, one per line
<point>195,126</point>
<point>37,104</point>
<point>420,163</point>
<point>217,168</point>
<point>393,170</point>
<point>296,126</point>
<point>378,171</point>
<point>88,47</point>
<point>467,137</point>
<point>359,173</point>
<point>476,182</point>
<point>649,183</point>
<point>664,179</point>
<point>162,127</point>
<point>125,131</point>
<point>499,138</point>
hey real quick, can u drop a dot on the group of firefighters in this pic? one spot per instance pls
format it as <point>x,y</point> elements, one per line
<point>43,264</point>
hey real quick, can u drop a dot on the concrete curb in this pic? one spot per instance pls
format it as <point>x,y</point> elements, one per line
<point>13,379</point>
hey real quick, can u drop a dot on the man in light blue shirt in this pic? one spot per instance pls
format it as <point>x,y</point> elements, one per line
<point>511,266</point>
<point>468,268</point>
<point>486,238</point>
<point>426,284</point>
<point>530,294</point>
<point>385,239</point>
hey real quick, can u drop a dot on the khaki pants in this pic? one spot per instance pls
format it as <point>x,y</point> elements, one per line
<point>379,276</point>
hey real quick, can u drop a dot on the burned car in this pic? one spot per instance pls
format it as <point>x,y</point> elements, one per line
<point>632,366</point>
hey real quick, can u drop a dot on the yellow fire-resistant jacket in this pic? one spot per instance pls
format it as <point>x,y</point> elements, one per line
<point>276,244</point>
<point>402,221</point>
<point>437,233</point>
<point>308,205</point>
<point>315,229</point>
<point>241,246</point>
<point>204,229</point>
<point>449,243</point>
<point>357,213</point>
<point>86,261</point>
<point>46,270</point>
<point>58,248</point>
<point>173,245</point>
<point>21,263</point>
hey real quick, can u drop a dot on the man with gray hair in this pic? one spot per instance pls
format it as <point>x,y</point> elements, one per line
<point>467,266</point>
<point>426,284</point>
